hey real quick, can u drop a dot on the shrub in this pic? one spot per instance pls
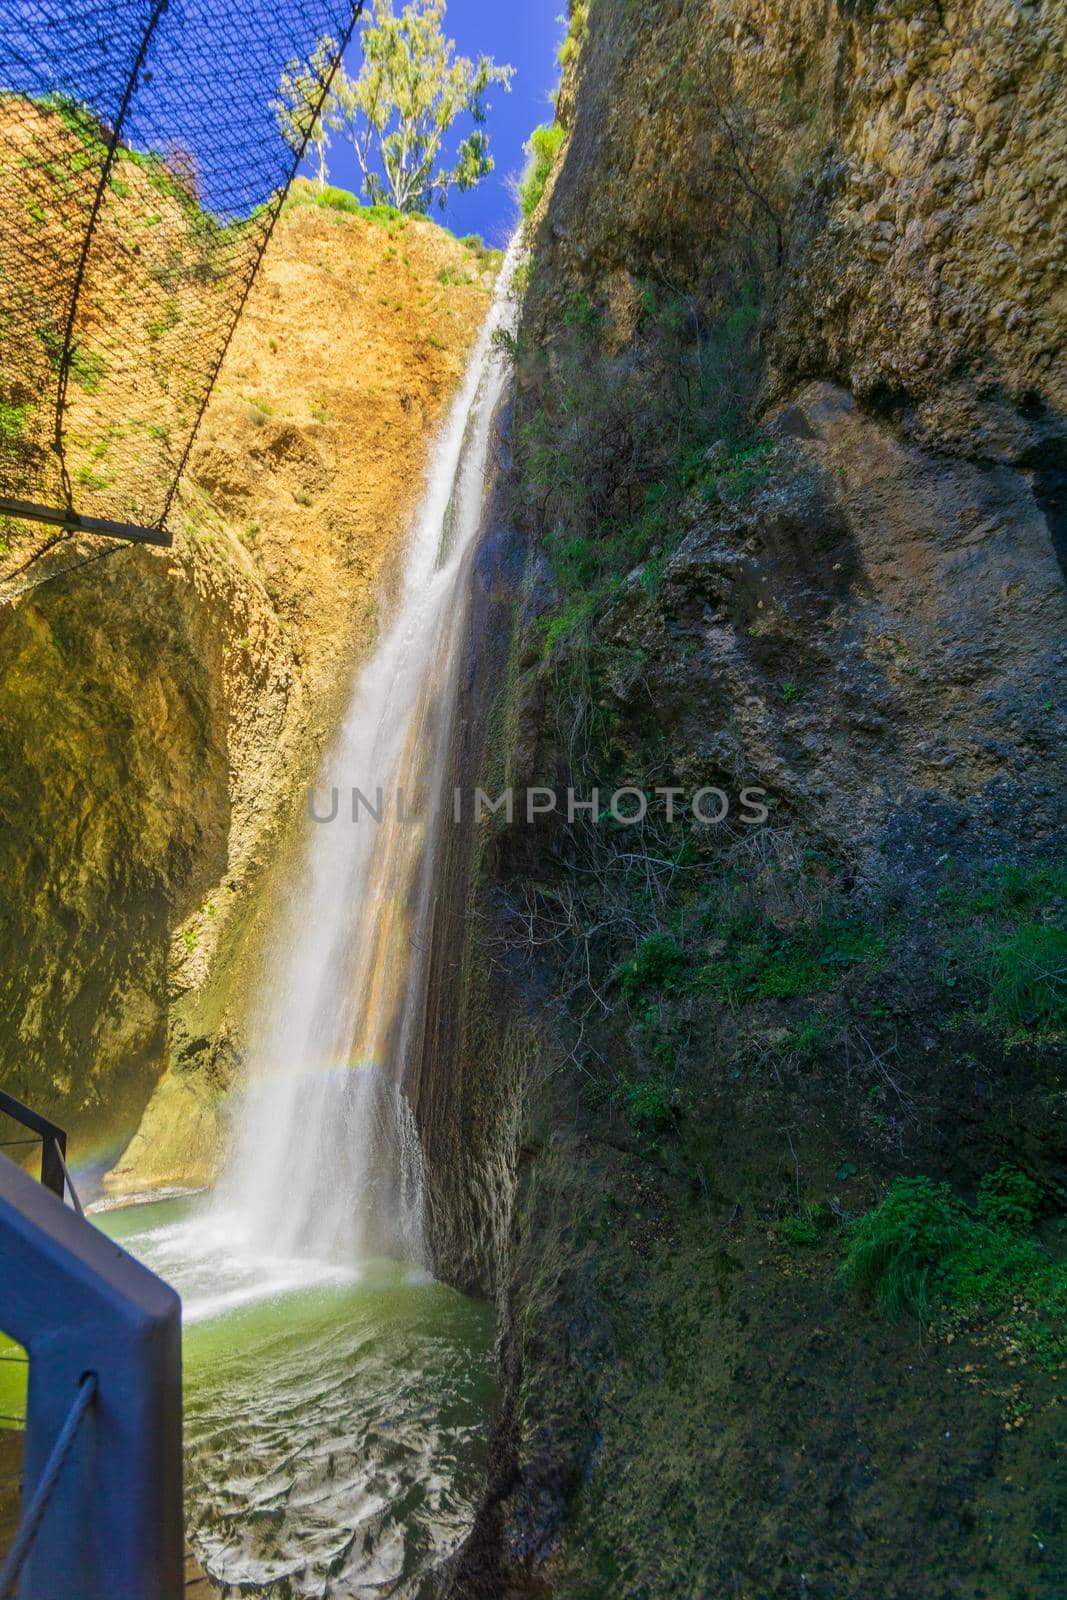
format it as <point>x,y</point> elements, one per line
<point>543,149</point>
<point>922,1251</point>
<point>332,198</point>
<point>1028,978</point>
<point>577,32</point>
<point>79,121</point>
<point>1007,934</point>
<point>761,961</point>
<point>806,1040</point>
<point>895,1249</point>
<point>487,257</point>
<point>800,1228</point>
<point>658,963</point>
<point>649,1104</point>
<point>1008,1199</point>
<point>13,419</point>
<point>87,368</point>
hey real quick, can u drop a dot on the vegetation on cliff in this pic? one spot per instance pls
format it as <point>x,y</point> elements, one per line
<point>775,454</point>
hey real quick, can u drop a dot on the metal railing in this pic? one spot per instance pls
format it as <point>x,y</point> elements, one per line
<point>102,1462</point>
<point>53,1142</point>
<point>33,1516</point>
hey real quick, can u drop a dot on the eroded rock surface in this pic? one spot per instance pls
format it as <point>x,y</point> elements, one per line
<point>161,712</point>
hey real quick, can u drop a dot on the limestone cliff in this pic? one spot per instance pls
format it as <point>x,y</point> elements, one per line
<point>782,507</point>
<point>161,711</point>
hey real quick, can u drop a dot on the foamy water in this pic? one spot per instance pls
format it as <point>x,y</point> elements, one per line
<point>335,1419</point>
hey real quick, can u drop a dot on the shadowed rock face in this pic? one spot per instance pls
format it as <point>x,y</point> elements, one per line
<point>916,601</point>
<point>160,712</point>
<point>873,630</point>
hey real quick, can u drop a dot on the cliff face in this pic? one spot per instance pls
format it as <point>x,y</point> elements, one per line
<point>162,711</point>
<point>907,160</point>
<point>787,460</point>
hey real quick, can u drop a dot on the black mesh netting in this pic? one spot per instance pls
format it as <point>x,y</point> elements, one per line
<point>142,165</point>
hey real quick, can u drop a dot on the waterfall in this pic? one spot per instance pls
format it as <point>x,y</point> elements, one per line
<point>325,1162</point>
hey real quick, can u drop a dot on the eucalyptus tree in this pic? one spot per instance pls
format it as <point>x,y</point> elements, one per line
<point>411,89</point>
<point>297,104</point>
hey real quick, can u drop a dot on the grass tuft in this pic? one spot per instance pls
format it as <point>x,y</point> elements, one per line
<point>543,148</point>
<point>923,1252</point>
<point>895,1249</point>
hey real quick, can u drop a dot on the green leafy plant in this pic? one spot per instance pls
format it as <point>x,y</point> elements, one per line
<point>1007,937</point>
<point>761,961</point>
<point>658,963</point>
<point>87,368</point>
<point>806,1040</point>
<point>168,319</point>
<point>895,1249</point>
<point>922,1251</point>
<point>79,121</point>
<point>800,1227</point>
<point>1007,1198</point>
<point>577,33</point>
<point>649,1104</point>
<point>1028,978</point>
<point>487,258</point>
<point>543,148</point>
<point>13,420</point>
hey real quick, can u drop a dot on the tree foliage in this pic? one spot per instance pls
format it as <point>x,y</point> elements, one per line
<point>296,105</point>
<point>411,89</point>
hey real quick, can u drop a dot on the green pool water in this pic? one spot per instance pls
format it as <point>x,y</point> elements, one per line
<point>335,1422</point>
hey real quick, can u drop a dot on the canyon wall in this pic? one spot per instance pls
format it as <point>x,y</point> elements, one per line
<point>786,472</point>
<point>162,711</point>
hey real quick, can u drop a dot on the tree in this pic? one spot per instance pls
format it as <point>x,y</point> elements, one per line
<point>411,89</point>
<point>299,108</point>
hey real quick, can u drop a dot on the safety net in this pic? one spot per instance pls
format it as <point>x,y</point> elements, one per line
<point>146,147</point>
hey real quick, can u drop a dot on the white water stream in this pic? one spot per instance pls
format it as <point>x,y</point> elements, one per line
<point>325,1169</point>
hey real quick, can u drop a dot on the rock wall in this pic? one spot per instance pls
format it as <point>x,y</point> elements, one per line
<point>909,159</point>
<point>162,711</point>
<point>856,601</point>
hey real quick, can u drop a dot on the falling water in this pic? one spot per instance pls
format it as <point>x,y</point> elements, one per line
<point>326,1162</point>
<point>337,1399</point>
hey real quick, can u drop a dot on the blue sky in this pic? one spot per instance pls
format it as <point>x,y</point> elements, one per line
<point>213,69</point>
<point>524,33</point>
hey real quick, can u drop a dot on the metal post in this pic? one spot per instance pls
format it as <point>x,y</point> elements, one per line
<point>112,1529</point>
<point>53,1167</point>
